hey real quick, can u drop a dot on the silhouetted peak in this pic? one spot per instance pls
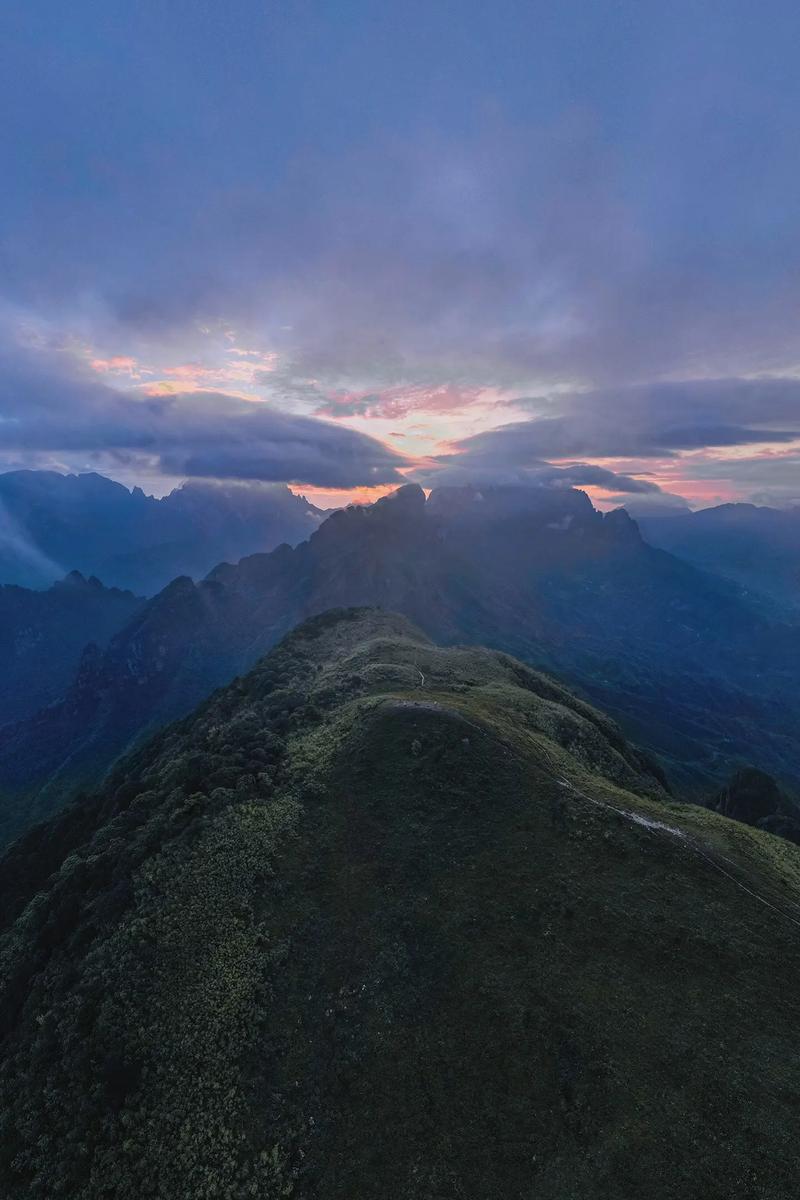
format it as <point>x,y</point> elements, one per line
<point>73,580</point>
<point>621,524</point>
<point>100,483</point>
<point>750,795</point>
<point>555,508</point>
<point>780,825</point>
<point>408,497</point>
<point>447,501</point>
<point>181,586</point>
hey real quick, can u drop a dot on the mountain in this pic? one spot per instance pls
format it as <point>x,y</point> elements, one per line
<point>754,797</point>
<point>43,635</point>
<point>51,524</point>
<point>694,672</point>
<point>384,919</point>
<point>756,546</point>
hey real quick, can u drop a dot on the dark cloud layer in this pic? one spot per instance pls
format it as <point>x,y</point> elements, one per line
<point>603,195</point>
<point>640,424</point>
<point>46,404</point>
<point>645,421</point>
<point>459,470</point>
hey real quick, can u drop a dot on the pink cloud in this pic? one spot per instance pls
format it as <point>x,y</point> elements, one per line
<point>267,361</point>
<point>117,362</point>
<point>196,376</point>
<point>188,372</point>
<point>395,403</point>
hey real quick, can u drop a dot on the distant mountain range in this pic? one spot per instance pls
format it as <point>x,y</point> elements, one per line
<point>43,635</point>
<point>694,670</point>
<point>386,919</point>
<point>51,524</point>
<point>759,547</point>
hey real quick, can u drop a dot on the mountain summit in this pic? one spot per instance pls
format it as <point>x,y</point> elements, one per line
<point>384,919</point>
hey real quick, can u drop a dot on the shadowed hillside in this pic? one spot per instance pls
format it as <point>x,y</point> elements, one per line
<point>43,636</point>
<point>383,919</point>
<point>755,545</point>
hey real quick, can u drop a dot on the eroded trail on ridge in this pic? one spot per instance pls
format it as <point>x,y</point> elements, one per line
<point>709,855</point>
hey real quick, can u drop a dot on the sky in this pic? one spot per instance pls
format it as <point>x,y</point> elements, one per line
<point>346,245</point>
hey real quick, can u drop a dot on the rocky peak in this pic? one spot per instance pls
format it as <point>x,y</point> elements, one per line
<point>750,795</point>
<point>408,498</point>
<point>621,526</point>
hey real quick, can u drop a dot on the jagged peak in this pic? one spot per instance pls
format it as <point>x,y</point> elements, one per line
<point>77,581</point>
<point>410,496</point>
<point>620,522</point>
<point>179,585</point>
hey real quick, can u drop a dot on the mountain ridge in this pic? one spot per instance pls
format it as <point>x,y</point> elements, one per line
<point>699,676</point>
<point>52,523</point>
<point>386,918</point>
<point>754,545</point>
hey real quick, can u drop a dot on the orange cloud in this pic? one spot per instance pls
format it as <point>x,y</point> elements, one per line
<point>267,361</point>
<point>395,403</point>
<point>182,387</point>
<point>117,362</point>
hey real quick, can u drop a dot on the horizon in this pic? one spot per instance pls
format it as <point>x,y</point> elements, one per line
<point>636,506</point>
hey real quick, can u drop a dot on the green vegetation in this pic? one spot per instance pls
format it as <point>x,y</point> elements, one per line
<point>376,922</point>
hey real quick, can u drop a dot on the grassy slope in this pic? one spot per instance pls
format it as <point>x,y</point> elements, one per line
<point>343,934</point>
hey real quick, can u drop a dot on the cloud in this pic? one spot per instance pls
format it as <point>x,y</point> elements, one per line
<point>779,497</point>
<point>502,257</point>
<point>118,363</point>
<point>50,403</point>
<point>16,543</point>
<point>771,478</point>
<point>498,216</point>
<point>395,403</point>
<point>654,420</point>
<point>658,504</point>
<point>688,425</point>
<point>457,471</point>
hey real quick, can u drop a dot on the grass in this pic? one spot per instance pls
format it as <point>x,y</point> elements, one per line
<point>345,934</point>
